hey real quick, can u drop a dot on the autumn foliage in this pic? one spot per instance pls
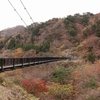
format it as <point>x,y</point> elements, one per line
<point>34,86</point>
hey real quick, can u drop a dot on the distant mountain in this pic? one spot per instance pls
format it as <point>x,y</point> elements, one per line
<point>11,31</point>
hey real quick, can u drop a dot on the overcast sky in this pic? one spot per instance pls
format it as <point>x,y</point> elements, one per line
<point>43,10</point>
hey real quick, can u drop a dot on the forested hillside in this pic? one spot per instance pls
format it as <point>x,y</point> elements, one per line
<point>77,36</point>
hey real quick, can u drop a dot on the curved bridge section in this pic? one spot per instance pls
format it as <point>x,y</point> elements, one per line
<point>13,63</point>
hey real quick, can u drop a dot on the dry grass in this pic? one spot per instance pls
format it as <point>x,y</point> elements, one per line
<point>43,71</point>
<point>10,88</point>
<point>82,76</point>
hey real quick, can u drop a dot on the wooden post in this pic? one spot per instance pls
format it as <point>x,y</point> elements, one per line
<point>22,62</point>
<point>13,63</point>
<point>2,62</point>
<point>28,61</point>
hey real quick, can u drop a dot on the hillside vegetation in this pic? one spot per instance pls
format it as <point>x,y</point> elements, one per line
<point>77,36</point>
<point>80,33</point>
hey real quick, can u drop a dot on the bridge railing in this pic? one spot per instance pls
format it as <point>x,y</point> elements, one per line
<point>21,62</point>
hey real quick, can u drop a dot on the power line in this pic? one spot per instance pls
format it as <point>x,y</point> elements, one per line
<point>17,12</point>
<point>26,11</point>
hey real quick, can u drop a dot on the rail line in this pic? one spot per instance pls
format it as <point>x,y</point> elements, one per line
<point>14,63</point>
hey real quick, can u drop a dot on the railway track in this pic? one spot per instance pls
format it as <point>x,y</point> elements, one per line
<point>14,63</point>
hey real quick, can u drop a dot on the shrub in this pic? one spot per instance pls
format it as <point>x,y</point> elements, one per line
<point>61,91</point>
<point>6,39</point>
<point>28,47</point>
<point>25,47</point>
<point>92,83</point>
<point>87,32</point>
<point>18,36</point>
<point>34,87</point>
<point>91,57</point>
<point>72,32</point>
<point>11,45</point>
<point>96,28</point>
<point>1,45</point>
<point>70,18</point>
<point>60,74</point>
<point>98,34</point>
<point>36,31</point>
<point>69,24</point>
<point>44,47</point>
<point>85,19</point>
<point>89,13</point>
<point>93,27</point>
<point>97,31</point>
<point>19,45</point>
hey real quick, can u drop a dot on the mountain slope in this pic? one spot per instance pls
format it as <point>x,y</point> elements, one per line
<point>56,37</point>
<point>77,36</point>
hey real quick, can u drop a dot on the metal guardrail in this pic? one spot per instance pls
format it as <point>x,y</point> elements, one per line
<point>13,63</point>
